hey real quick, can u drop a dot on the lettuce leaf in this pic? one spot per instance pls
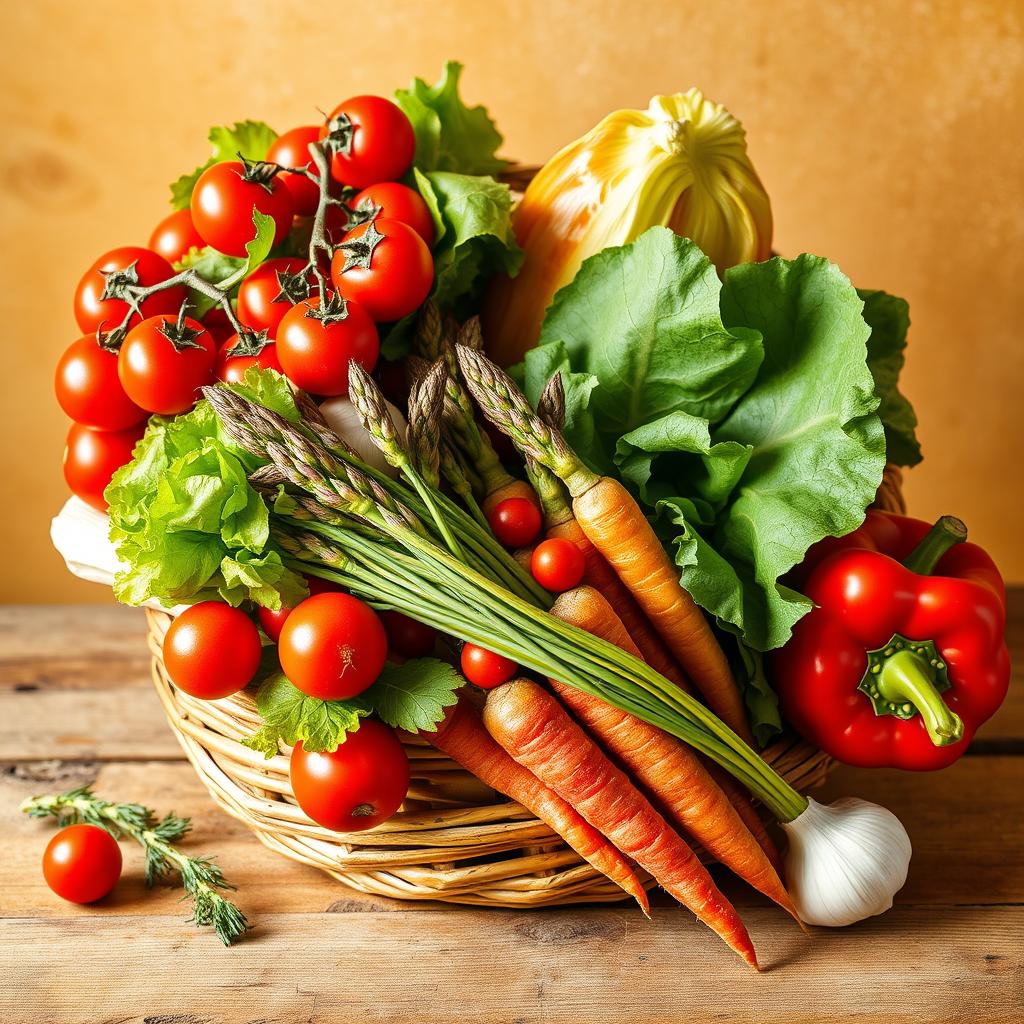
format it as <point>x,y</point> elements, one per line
<point>889,320</point>
<point>251,139</point>
<point>185,519</point>
<point>643,321</point>
<point>449,135</point>
<point>741,413</point>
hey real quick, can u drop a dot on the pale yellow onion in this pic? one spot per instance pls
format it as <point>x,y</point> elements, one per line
<point>681,163</point>
<point>846,861</point>
<point>343,419</point>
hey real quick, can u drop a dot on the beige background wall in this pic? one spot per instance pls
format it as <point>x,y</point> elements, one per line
<point>888,133</point>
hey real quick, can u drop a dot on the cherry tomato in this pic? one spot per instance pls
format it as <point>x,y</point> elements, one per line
<point>332,646</point>
<point>515,522</point>
<point>217,323</point>
<point>484,668</point>
<point>223,201</point>
<point>355,787</point>
<point>175,235</point>
<point>93,456</point>
<point>82,863</point>
<point>159,375</point>
<point>315,353</point>
<point>212,650</point>
<point>272,621</point>
<point>269,292</point>
<point>408,637</point>
<point>292,150</point>
<point>88,388</point>
<point>557,564</point>
<point>384,266</point>
<point>91,310</point>
<point>232,369</point>
<point>375,141</point>
<point>398,202</point>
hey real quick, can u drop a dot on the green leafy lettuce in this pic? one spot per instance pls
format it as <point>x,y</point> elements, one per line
<point>741,412</point>
<point>449,135</point>
<point>251,139</point>
<point>186,521</point>
<point>889,320</point>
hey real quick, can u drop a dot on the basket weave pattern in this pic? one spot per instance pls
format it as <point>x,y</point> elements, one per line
<point>454,838</point>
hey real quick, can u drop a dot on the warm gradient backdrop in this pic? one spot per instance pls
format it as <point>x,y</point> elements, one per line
<point>889,135</point>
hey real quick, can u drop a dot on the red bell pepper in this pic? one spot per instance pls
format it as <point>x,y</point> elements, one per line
<point>894,666</point>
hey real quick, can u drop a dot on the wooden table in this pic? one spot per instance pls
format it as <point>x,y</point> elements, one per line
<point>76,707</point>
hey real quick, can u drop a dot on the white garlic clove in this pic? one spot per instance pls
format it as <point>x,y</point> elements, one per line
<point>343,419</point>
<point>846,861</point>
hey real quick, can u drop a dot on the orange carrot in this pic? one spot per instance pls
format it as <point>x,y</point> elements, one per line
<point>538,732</point>
<point>464,739</point>
<point>668,771</point>
<point>610,517</point>
<point>502,486</point>
<point>744,805</point>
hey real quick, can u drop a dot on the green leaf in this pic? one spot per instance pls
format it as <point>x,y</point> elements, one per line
<point>889,320</point>
<point>413,696</point>
<point>186,521</point>
<point>257,249</point>
<point>289,715</point>
<point>761,700</point>
<point>449,135</point>
<point>643,319</point>
<point>251,139</point>
<point>816,449</point>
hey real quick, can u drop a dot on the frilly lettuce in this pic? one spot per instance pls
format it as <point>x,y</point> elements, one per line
<point>185,520</point>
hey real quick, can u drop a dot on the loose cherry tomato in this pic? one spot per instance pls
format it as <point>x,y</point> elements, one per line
<point>484,668</point>
<point>386,267</point>
<point>270,291</point>
<point>292,150</point>
<point>136,265</point>
<point>408,637</point>
<point>231,368</point>
<point>355,787</point>
<point>164,361</point>
<point>370,139</point>
<point>224,198</point>
<point>398,202</point>
<point>332,646</point>
<point>88,388</point>
<point>557,564</point>
<point>217,323</point>
<point>212,650</point>
<point>175,235</point>
<point>272,621</point>
<point>315,351</point>
<point>93,456</point>
<point>515,522</point>
<point>82,863</point>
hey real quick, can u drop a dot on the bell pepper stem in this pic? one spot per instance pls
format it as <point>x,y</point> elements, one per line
<point>947,531</point>
<point>905,679</point>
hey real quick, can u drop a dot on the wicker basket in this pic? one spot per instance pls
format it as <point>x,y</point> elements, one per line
<point>454,839</point>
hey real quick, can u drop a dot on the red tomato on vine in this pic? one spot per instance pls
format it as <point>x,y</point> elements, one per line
<point>88,388</point>
<point>91,458</point>
<point>395,201</point>
<point>270,291</point>
<point>292,150</point>
<point>226,195</point>
<point>369,139</point>
<point>175,235</point>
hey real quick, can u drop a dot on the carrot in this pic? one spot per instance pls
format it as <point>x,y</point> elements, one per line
<point>614,523</point>
<point>537,731</point>
<point>668,771</point>
<point>499,485</point>
<point>744,805</point>
<point>463,738</point>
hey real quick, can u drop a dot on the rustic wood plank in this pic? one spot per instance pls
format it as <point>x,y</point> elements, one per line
<point>959,857</point>
<point>588,965</point>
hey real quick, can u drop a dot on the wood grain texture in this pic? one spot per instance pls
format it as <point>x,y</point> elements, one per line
<point>76,707</point>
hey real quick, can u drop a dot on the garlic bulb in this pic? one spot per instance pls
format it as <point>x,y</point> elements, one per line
<point>682,163</point>
<point>343,419</point>
<point>846,861</point>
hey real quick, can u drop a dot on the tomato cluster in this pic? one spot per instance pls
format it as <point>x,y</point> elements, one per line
<point>141,353</point>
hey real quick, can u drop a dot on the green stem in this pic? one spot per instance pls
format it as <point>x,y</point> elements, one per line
<point>905,679</point>
<point>947,532</point>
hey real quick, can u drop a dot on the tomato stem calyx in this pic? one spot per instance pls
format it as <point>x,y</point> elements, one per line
<point>359,251</point>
